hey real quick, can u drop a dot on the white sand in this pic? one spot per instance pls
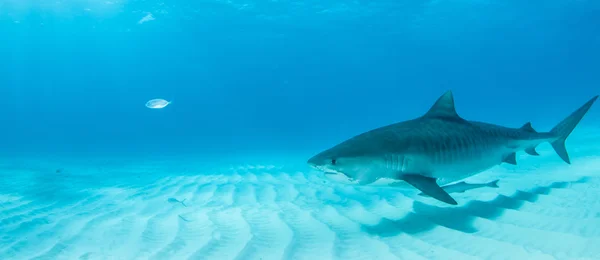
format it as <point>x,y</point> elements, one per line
<point>544,209</point>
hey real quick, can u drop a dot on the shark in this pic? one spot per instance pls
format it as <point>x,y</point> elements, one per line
<point>438,148</point>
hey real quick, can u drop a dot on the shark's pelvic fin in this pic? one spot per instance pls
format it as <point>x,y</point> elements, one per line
<point>528,128</point>
<point>443,107</point>
<point>565,127</point>
<point>511,158</point>
<point>429,186</point>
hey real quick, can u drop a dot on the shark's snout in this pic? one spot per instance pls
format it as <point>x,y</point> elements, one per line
<point>315,161</point>
<point>318,162</point>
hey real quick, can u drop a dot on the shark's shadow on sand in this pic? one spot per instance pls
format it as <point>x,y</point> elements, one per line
<point>427,217</point>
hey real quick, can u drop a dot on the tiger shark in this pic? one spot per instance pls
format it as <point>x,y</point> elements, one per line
<point>438,148</point>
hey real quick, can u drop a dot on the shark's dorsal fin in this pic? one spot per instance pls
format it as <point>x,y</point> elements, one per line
<point>443,107</point>
<point>528,128</point>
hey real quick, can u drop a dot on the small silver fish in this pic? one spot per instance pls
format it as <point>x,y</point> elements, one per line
<point>463,186</point>
<point>157,103</point>
<point>174,200</point>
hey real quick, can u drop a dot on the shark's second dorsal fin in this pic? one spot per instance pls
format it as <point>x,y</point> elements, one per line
<point>443,107</point>
<point>528,128</point>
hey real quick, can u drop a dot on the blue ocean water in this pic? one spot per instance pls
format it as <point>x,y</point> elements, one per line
<point>257,87</point>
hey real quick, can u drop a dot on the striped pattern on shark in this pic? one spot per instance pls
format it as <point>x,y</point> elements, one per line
<point>438,148</point>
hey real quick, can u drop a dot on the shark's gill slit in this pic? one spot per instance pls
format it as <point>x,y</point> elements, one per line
<point>404,166</point>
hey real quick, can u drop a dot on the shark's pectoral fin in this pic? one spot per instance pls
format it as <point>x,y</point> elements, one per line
<point>429,187</point>
<point>511,158</point>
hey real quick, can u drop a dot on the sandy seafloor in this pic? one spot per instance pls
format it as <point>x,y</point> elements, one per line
<point>260,208</point>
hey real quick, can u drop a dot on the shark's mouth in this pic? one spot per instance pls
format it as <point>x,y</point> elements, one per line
<point>331,173</point>
<point>326,170</point>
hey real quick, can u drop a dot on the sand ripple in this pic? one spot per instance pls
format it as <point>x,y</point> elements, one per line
<point>278,212</point>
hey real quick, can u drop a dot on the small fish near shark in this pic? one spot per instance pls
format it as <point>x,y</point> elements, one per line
<point>174,200</point>
<point>438,148</point>
<point>464,186</point>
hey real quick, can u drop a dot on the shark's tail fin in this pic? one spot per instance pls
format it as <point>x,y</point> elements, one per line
<point>182,203</point>
<point>565,127</point>
<point>493,184</point>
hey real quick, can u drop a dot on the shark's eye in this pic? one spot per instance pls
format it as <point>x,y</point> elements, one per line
<point>333,161</point>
